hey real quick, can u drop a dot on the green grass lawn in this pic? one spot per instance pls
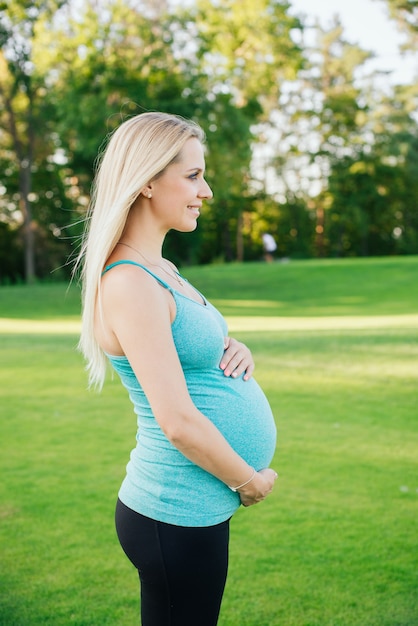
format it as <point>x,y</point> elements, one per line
<point>335,545</point>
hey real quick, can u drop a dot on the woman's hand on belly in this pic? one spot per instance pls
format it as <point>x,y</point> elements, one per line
<point>237,359</point>
<point>258,488</point>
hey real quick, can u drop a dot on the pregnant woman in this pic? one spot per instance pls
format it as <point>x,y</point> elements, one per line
<point>206,434</point>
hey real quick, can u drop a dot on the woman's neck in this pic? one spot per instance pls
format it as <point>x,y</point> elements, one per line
<point>143,236</point>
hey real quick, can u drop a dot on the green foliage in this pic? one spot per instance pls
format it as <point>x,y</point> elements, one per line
<point>228,162</point>
<point>405,12</point>
<point>250,62</point>
<point>118,64</point>
<point>29,203</point>
<point>371,195</point>
<point>335,542</point>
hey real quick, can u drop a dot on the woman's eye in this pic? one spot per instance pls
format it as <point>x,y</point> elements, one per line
<point>194,176</point>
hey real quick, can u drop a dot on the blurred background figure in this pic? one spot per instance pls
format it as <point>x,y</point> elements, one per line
<point>269,246</point>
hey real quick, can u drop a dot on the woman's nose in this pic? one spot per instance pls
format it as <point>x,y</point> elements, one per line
<point>205,191</point>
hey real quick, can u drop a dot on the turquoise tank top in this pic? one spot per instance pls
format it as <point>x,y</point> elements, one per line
<point>161,483</point>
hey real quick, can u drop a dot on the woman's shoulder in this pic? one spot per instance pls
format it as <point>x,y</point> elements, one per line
<point>127,283</point>
<point>131,301</point>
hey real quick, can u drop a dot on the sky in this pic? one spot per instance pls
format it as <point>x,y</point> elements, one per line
<point>366,22</point>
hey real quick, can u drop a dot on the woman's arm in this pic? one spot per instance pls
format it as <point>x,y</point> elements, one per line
<point>138,314</point>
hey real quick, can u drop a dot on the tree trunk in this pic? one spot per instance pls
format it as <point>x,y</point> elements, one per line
<point>26,178</point>
<point>240,238</point>
<point>25,175</point>
<point>28,226</point>
<point>319,230</point>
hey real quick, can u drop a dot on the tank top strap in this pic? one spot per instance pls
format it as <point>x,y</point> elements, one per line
<point>129,262</point>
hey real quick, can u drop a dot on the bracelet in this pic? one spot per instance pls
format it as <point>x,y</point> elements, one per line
<point>243,484</point>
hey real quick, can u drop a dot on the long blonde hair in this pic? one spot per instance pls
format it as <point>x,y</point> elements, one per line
<point>138,151</point>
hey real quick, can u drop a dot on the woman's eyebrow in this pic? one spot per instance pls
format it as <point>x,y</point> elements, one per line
<point>195,169</point>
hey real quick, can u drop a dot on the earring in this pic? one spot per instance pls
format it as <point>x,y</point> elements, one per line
<point>149,195</point>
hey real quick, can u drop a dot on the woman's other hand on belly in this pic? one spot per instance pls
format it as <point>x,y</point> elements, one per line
<point>259,488</point>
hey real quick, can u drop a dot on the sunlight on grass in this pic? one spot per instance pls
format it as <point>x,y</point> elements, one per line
<point>50,327</point>
<point>247,304</point>
<point>256,324</point>
<point>236,324</point>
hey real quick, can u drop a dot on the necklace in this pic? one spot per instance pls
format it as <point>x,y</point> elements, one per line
<point>172,274</point>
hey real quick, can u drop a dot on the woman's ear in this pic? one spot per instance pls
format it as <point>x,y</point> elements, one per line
<point>146,192</point>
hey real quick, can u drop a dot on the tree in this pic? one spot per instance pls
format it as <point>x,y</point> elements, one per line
<point>405,13</point>
<point>372,193</point>
<point>123,59</point>
<point>320,122</point>
<point>104,66</point>
<point>21,90</point>
<point>241,69</point>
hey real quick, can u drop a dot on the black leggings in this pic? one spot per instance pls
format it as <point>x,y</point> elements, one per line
<point>182,570</point>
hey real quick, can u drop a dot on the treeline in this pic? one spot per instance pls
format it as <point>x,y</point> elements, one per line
<point>303,141</point>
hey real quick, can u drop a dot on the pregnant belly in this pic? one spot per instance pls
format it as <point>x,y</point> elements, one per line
<point>241,411</point>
